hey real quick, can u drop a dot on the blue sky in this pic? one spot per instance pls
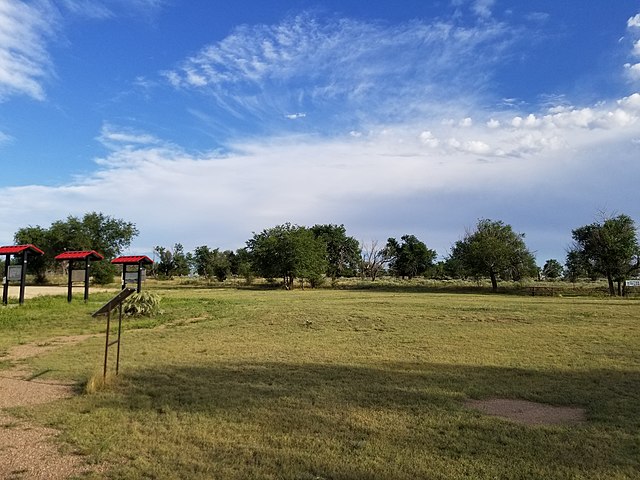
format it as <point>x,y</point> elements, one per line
<point>203,122</point>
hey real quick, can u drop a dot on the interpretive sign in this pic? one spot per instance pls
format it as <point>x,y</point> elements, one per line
<point>15,273</point>
<point>132,277</point>
<point>632,283</point>
<point>77,276</point>
<point>137,261</point>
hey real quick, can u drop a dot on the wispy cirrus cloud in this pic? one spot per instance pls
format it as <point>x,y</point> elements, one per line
<point>25,29</point>
<point>120,137</point>
<point>342,67</point>
<point>104,9</point>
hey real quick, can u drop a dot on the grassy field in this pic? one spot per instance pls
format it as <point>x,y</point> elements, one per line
<point>344,384</point>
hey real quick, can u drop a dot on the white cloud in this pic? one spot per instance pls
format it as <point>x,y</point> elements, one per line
<point>117,138</point>
<point>477,147</point>
<point>632,102</point>
<point>360,180</point>
<point>633,70</point>
<point>634,22</point>
<point>4,138</point>
<point>482,8</point>
<point>26,28</point>
<point>429,140</point>
<point>401,152</point>
<point>105,9</point>
<point>87,8</point>
<point>263,183</point>
<point>24,61</point>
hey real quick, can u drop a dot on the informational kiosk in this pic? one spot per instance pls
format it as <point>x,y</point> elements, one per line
<point>16,272</point>
<point>85,256</point>
<point>129,275</point>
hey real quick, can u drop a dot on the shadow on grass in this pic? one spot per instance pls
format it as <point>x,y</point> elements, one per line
<point>399,420</point>
<point>609,396</point>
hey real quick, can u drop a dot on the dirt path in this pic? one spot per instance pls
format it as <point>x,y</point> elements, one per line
<point>28,451</point>
<point>31,291</point>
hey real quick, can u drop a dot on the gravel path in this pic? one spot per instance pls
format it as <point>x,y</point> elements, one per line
<point>29,451</point>
<point>31,291</point>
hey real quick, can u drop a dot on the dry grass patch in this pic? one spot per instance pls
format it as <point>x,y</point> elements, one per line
<point>528,413</point>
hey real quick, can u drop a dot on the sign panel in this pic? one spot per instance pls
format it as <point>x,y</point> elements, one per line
<point>77,276</point>
<point>132,277</point>
<point>15,273</point>
<point>632,283</point>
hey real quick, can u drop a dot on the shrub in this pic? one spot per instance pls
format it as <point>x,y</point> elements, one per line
<point>142,304</point>
<point>103,272</point>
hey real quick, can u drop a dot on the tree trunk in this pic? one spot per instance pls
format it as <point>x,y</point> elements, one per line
<point>619,288</point>
<point>612,290</point>
<point>494,281</point>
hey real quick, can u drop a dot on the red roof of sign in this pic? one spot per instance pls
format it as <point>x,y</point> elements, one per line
<point>12,250</point>
<point>133,259</point>
<point>79,255</point>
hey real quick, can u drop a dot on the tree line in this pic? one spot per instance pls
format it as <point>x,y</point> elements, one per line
<point>288,253</point>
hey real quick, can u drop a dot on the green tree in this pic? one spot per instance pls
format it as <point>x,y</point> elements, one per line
<point>288,252</point>
<point>211,263</point>
<point>409,258</point>
<point>171,262</point>
<point>39,237</point>
<point>343,252</point>
<point>164,265</point>
<point>495,250</point>
<point>609,248</point>
<point>94,231</point>
<point>552,269</point>
<point>242,265</point>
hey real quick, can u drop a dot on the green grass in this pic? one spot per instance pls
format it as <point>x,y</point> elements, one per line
<point>347,384</point>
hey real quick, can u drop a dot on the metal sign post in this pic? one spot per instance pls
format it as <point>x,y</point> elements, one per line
<point>107,308</point>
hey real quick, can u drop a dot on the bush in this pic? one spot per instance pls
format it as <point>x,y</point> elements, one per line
<point>142,304</point>
<point>103,272</point>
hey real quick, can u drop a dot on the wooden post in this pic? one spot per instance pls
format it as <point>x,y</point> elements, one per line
<point>139,277</point>
<point>86,280</point>
<point>70,282</point>
<point>5,287</point>
<point>23,275</point>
